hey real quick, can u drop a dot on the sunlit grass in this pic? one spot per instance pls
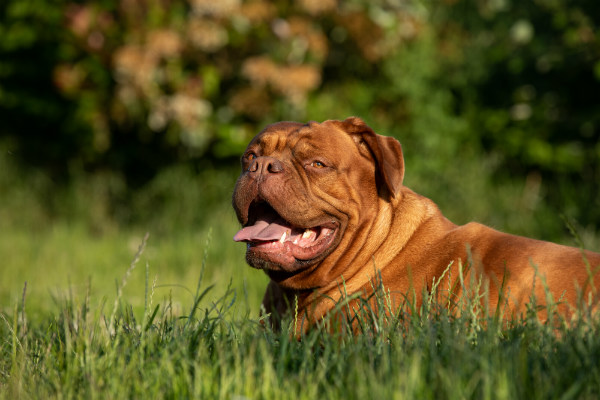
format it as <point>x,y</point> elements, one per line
<point>66,242</point>
<point>217,350</point>
<point>68,262</point>
<point>79,319</point>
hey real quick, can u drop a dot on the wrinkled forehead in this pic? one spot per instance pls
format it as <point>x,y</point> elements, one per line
<point>276,137</point>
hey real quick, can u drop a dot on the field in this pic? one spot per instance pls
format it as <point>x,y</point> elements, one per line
<point>94,310</point>
<point>141,345</point>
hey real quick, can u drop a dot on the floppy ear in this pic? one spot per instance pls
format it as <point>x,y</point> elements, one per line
<point>386,151</point>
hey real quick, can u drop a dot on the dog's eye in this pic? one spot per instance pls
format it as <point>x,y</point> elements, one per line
<point>250,156</point>
<point>317,164</point>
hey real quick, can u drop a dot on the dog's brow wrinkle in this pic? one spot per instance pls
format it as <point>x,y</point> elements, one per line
<point>281,142</point>
<point>269,143</point>
<point>305,128</point>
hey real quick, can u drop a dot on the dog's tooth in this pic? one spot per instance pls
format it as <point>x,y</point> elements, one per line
<point>307,233</point>
<point>296,240</point>
<point>283,237</point>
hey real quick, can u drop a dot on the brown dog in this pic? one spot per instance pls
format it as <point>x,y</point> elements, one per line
<point>323,207</point>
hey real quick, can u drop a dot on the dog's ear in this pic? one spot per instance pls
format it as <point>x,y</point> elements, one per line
<point>386,151</point>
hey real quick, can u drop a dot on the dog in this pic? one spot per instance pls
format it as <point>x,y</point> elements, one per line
<point>322,207</point>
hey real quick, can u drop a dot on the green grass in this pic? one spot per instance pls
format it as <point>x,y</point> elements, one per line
<point>68,242</point>
<point>81,350</point>
<point>67,262</point>
<point>79,319</point>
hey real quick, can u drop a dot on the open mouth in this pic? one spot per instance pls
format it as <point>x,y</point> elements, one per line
<point>273,239</point>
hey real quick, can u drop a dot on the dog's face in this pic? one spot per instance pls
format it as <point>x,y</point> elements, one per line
<point>305,190</point>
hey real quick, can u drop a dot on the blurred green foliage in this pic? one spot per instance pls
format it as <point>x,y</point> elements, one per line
<point>117,92</point>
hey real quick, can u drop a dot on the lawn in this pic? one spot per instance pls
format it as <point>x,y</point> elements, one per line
<point>194,349</point>
<point>89,309</point>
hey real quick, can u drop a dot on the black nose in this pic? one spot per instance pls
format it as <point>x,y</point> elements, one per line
<point>265,166</point>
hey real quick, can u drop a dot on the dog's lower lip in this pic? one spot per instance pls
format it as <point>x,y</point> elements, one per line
<point>290,257</point>
<point>311,238</point>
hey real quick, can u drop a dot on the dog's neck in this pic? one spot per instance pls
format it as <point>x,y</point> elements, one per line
<point>397,221</point>
<point>343,272</point>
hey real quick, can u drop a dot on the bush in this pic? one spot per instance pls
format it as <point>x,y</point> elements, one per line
<point>135,86</point>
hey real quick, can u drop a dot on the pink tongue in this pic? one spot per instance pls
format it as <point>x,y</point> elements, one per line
<point>262,231</point>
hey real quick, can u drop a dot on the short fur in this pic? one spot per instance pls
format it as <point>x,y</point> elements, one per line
<point>382,224</point>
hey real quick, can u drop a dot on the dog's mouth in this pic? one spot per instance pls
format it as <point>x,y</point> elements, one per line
<point>273,241</point>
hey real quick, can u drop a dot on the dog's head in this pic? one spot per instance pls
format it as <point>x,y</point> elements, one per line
<point>306,189</point>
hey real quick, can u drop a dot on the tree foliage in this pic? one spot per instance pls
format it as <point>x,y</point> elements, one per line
<point>136,85</point>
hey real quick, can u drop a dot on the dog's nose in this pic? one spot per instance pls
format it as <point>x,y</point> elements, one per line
<point>265,165</point>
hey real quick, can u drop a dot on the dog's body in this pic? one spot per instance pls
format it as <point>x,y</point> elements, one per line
<point>323,208</point>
